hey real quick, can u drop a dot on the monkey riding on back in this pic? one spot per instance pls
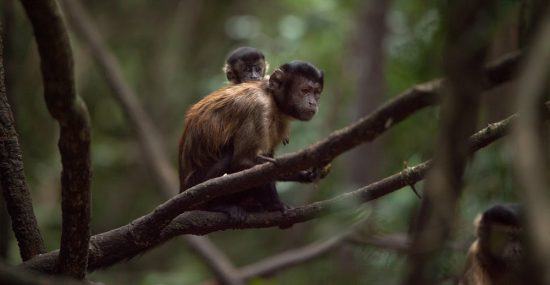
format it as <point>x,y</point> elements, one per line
<point>245,64</point>
<point>239,126</point>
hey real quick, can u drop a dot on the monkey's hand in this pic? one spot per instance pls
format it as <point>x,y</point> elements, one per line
<point>316,173</point>
<point>308,176</point>
<point>286,140</point>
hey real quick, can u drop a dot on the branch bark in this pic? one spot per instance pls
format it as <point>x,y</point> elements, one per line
<point>14,185</point>
<point>74,141</point>
<point>290,258</point>
<point>148,135</point>
<point>116,245</point>
<point>14,276</point>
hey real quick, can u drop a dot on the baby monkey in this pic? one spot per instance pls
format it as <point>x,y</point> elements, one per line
<point>497,255</point>
<point>245,64</point>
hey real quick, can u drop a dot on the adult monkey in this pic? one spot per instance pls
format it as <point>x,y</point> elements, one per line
<point>497,256</point>
<point>245,64</point>
<point>239,126</point>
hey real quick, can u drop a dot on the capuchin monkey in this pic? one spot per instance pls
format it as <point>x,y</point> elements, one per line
<point>497,255</point>
<point>245,64</point>
<point>239,126</point>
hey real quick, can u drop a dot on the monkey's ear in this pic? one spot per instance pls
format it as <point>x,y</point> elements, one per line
<point>477,224</point>
<point>231,77</point>
<point>276,79</point>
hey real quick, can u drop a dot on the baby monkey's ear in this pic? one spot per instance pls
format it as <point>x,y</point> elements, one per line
<point>229,73</point>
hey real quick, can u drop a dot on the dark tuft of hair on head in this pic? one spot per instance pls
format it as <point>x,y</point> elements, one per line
<point>244,53</point>
<point>507,214</point>
<point>305,69</point>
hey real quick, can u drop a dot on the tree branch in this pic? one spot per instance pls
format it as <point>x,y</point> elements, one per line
<point>116,245</point>
<point>74,140</point>
<point>318,154</point>
<point>14,276</point>
<point>14,185</point>
<point>147,134</point>
<point>290,258</point>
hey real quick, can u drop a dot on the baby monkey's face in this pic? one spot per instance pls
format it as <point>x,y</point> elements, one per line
<point>248,70</point>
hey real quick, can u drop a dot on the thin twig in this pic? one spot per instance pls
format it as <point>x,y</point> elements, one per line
<point>74,140</point>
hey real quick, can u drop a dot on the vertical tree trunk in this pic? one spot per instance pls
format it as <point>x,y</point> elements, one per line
<point>7,34</point>
<point>64,105</point>
<point>366,160</point>
<point>14,186</point>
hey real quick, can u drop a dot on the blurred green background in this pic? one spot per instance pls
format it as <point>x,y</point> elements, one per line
<point>172,54</point>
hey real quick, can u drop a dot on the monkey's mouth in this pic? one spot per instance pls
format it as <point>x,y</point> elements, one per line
<point>307,114</point>
<point>253,78</point>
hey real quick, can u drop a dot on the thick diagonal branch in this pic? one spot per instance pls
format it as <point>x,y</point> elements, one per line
<point>70,111</point>
<point>116,245</point>
<point>14,185</point>
<point>365,130</point>
<point>148,135</point>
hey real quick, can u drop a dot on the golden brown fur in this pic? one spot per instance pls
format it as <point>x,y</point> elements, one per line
<point>215,123</point>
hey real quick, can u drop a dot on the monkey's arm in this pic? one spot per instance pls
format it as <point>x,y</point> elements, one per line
<point>247,146</point>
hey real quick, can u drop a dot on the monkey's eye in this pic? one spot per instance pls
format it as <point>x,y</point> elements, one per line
<point>305,90</point>
<point>317,95</point>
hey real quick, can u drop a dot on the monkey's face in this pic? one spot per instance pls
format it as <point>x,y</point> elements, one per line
<point>251,71</point>
<point>245,64</point>
<point>304,98</point>
<point>501,234</point>
<point>296,87</point>
<point>246,70</point>
<point>505,243</point>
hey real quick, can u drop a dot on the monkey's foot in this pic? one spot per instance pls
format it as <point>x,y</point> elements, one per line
<point>235,213</point>
<point>263,158</point>
<point>282,208</point>
<point>286,141</point>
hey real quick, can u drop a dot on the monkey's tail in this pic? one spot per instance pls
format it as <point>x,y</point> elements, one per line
<point>181,171</point>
